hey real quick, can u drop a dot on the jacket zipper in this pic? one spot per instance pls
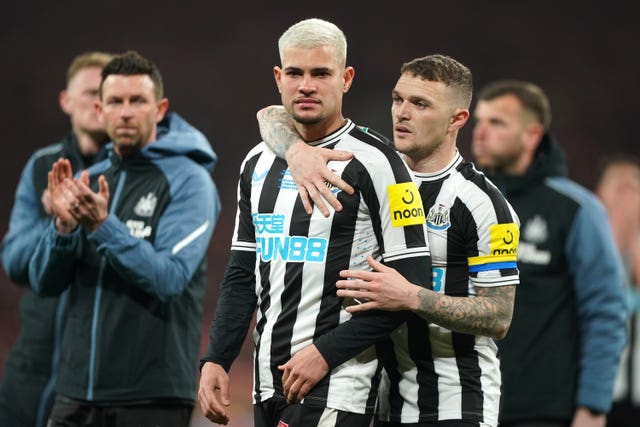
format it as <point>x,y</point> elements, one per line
<point>98,296</point>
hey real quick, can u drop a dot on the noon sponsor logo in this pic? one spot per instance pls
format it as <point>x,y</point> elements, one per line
<point>503,239</point>
<point>405,204</point>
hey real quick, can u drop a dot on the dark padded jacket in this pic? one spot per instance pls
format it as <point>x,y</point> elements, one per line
<point>136,283</point>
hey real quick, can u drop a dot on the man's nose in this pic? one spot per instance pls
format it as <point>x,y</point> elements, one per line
<point>126,110</point>
<point>479,131</point>
<point>400,110</point>
<point>307,84</point>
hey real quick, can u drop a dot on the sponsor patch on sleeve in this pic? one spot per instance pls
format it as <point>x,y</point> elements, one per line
<point>503,240</point>
<point>503,246</point>
<point>405,204</point>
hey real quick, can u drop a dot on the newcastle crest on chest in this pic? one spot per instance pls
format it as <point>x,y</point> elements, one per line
<point>146,205</point>
<point>438,217</point>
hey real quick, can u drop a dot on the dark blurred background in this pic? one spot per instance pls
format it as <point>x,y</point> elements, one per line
<point>217,57</point>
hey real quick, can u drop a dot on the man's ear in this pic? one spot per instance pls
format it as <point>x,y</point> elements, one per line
<point>347,78</point>
<point>163,106</point>
<point>458,119</point>
<point>277,75</point>
<point>97,105</point>
<point>533,134</point>
<point>65,101</point>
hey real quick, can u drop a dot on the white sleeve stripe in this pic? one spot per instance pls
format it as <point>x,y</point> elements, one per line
<point>243,248</point>
<point>406,254</point>
<point>190,238</point>
<point>237,244</point>
<point>502,281</point>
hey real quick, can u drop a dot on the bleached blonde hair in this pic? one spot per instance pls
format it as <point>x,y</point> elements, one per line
<point>312,33</point>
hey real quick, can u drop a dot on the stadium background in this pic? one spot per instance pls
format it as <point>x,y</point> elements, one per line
<point>216,59</point>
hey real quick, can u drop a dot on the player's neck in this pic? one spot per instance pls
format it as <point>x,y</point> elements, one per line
<point>89,143</point>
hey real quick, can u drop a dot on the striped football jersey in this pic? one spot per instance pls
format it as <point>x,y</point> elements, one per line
<point>433,373</point>
<point>299,257</point>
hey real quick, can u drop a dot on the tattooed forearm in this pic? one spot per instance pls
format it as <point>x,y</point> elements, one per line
<point>488,314</point>
<point>277,129</point>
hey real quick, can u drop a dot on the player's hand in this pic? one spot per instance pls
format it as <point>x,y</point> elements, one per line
<point>90,209</point>
<point>213,393</point>
<point>382,289</point>
<point>46,202</point>
<point>302,372</point>
<point>62,201</point>
<point>584,418</point>
<point>308,166</point>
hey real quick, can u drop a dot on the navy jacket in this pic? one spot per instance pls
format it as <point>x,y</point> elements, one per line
<point>568,328</point>
<point>136,283</point>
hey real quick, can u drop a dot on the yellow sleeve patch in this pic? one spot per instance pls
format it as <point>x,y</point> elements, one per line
<point>405,204</point>
<point>503,240</point>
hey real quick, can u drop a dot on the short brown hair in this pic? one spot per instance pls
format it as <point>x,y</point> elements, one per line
<point>131,63</point>
<point>86,60</point>
<point>444,69</point>
<point>531,96</point>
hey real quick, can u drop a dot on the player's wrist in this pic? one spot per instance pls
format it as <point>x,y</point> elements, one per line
<point>64,227</point>
<point>414,298</point>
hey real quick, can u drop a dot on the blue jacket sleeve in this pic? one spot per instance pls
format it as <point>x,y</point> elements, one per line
<point>52,265</point>
<point>165,267</point>
<point>26,226</point>
<point>598,282</point>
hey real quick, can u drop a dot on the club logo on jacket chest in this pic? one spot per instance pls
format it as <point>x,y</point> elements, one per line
<point>144,208</point>
<point>535,233</point>
<point>138,228</point>
<point>146,205</point>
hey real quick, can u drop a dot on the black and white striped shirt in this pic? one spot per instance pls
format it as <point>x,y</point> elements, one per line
<point>433,373</point>
<point>298,258</point>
